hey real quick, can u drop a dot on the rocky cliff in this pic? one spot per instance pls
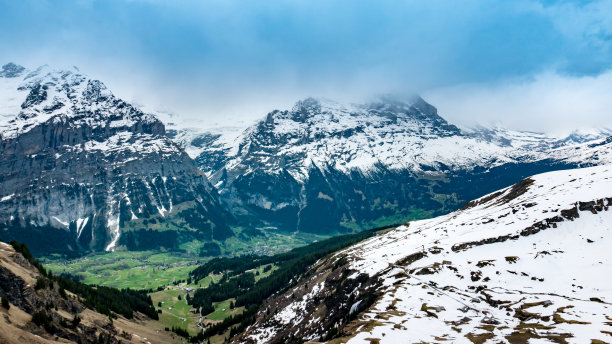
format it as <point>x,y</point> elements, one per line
<point>79,167</point>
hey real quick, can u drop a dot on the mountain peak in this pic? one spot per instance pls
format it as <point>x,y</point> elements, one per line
<point>11,70</point>
<point>309,104</point>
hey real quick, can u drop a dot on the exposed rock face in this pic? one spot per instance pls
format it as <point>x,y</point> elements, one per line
<point>303,169</point>
<point>528,257</point>
<point>77,165</point>
<point>325,167</point>
<point>11,70</point>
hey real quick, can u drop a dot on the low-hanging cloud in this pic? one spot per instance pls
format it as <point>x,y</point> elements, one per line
<point>218,60</point>
<point>548,102</point>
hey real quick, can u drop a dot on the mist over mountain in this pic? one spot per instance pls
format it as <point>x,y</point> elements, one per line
<point>82,165</point>
<point>306,171</point>
<point>369,164</point>
<point>83,171</point>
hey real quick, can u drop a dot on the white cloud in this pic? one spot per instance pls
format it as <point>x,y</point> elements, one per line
<point>549,102</point>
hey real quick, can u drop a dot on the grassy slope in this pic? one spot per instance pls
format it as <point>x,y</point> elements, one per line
<point>175,312</point>
<point>222,310</point>
<point>136,270</point>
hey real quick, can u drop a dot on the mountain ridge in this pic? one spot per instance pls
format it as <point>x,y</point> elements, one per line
<point>323,156</point>
<point>101,174</point>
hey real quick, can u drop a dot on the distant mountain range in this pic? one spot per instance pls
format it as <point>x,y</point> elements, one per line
<point>82,170</point>
<point>326,167</point>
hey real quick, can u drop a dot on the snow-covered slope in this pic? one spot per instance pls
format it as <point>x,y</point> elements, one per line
<point>529,263</point>
<point>79,165</point>
<point>210,148</point>
<point>325,166</point>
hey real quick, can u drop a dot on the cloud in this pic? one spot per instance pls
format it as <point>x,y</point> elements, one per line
<point>548,102</point>
<point>217,59</point>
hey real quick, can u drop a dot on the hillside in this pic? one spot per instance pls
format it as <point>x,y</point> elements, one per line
<point>41,311</point>
<point>524,263</point>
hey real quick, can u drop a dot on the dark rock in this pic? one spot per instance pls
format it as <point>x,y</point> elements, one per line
<point>11,70</point>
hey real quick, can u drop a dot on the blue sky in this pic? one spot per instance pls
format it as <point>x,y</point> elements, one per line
<point>223,59</point>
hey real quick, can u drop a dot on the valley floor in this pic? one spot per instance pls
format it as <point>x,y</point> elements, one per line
<point>166,275</point>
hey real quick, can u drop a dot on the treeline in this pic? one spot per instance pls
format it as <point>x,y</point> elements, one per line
<point>237,284</point>
<point>237,265</point>
<point>227,265</point>
<point>225,289</point>
<point>104,300</point>
<point>210,249</point>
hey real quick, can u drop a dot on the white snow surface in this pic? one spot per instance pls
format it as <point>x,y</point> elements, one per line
<point>68,94</point>
<point>564,265</point>
<point>557,279</point>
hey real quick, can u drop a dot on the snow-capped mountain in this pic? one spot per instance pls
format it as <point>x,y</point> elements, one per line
<point>96,172</point>
<point>81,169</point>
<point>534,140</point>
<point>525,263</point>
<point>325,166</point>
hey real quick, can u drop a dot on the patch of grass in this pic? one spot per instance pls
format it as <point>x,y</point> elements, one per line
<point>558,319</point>
<point>219,338</point>
<point>175,312</point>
<point>525,331</point>
<point>264,271</point>
<point>222,310</point>
<point>206,281</point>
<point>512,259</point>
<point>483,263</point>
<point>135,270</point>
<point>479,338</point>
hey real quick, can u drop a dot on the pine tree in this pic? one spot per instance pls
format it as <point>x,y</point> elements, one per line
<point>5,303</point>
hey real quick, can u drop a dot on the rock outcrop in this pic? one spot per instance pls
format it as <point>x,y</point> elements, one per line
<point>37,310</point>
